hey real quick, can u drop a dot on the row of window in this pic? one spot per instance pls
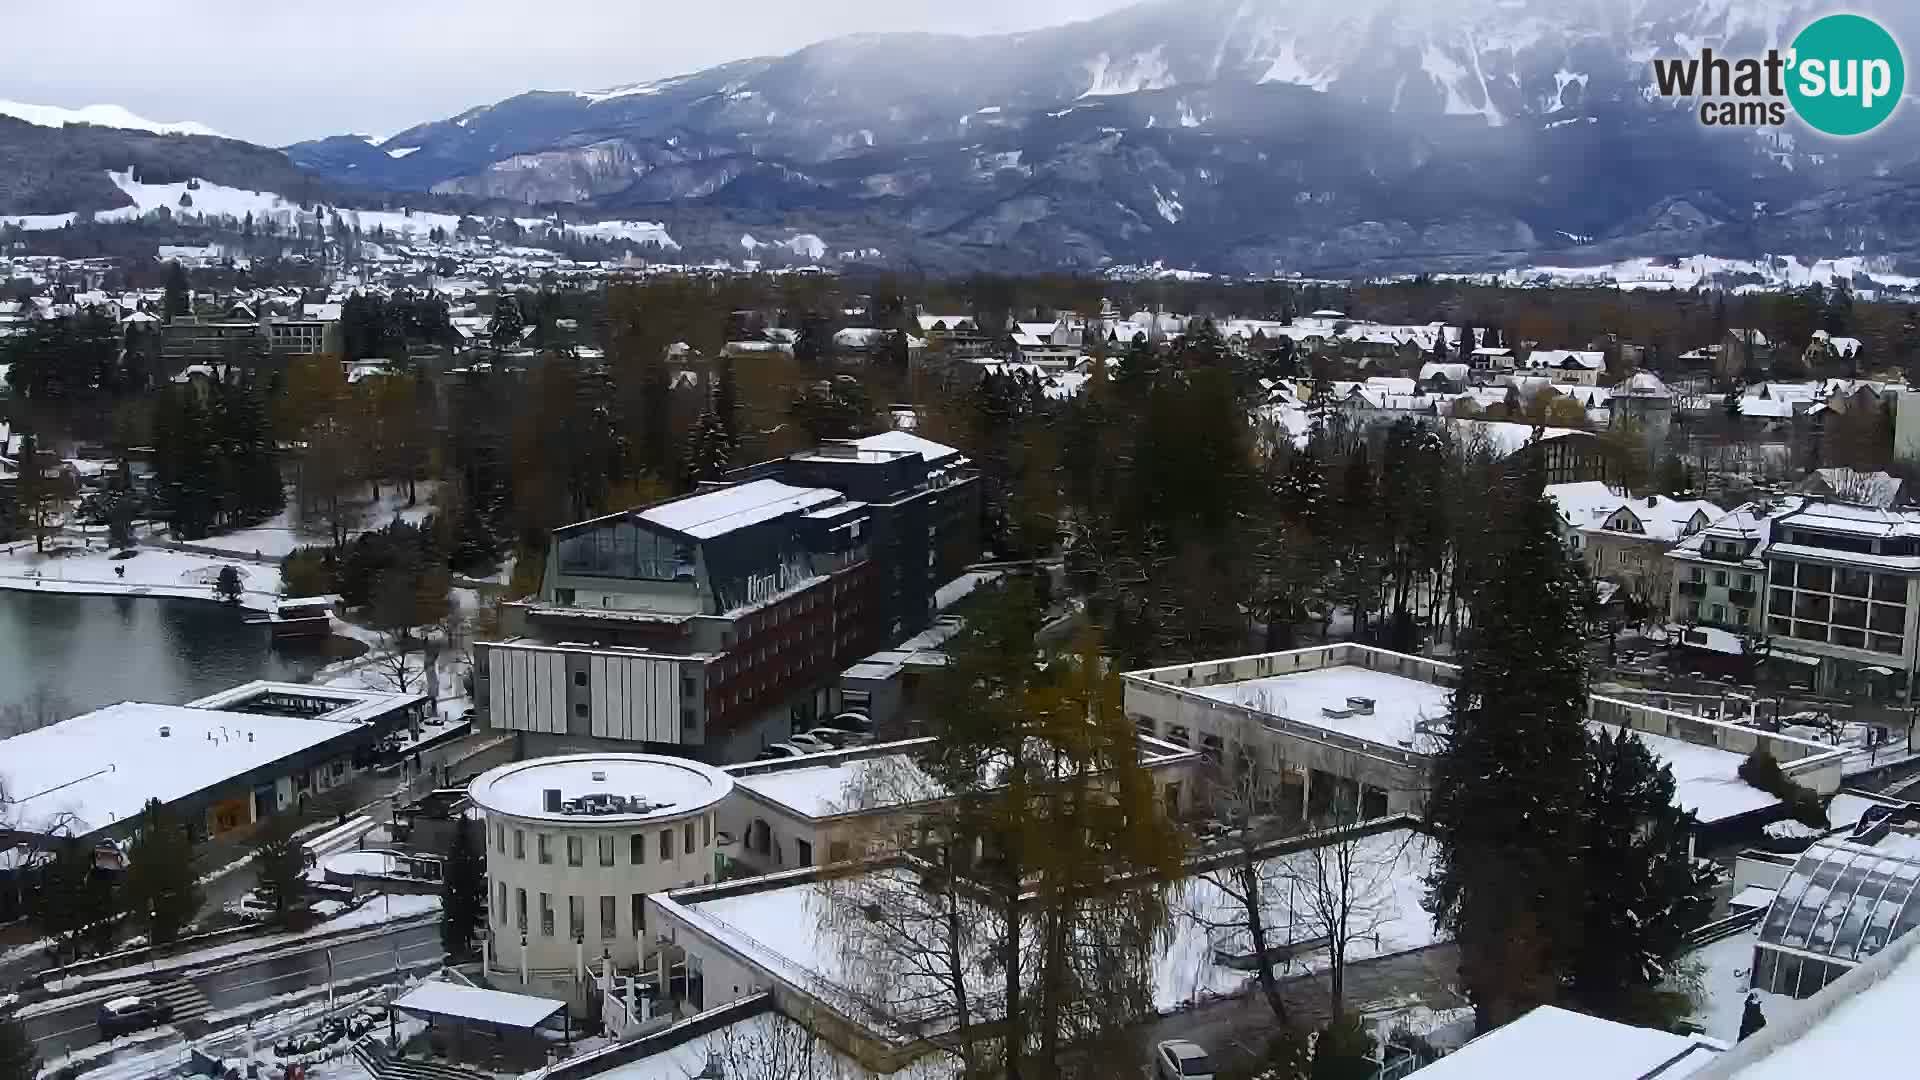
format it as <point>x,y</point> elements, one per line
<point>606,846</point>
<point>1720,579</point>
<point>608,909</point>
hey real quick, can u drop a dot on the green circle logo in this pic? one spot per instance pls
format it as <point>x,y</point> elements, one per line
<point>1846,75</point>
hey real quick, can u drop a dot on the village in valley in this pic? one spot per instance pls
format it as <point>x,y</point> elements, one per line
<point>1215,541</point>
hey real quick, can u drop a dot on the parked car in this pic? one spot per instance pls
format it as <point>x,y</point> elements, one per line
<point>1178,1059</point>
<point>132,1013</point>
<point>836,737</point>
<point>251,907</point>
<point>811,745</point>
<point>780,750</point>
<point>852,721</point>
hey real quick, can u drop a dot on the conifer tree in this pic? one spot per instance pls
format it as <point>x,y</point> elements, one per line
<point>177,301</point>
<point>1644,891</point>
<point>161,890</point>
<point>279,861</point>
<point>18,1059</point>
<point>463,891</point>
<point>1510,775</point>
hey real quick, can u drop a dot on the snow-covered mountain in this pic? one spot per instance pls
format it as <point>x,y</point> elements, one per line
<point>108,116</point>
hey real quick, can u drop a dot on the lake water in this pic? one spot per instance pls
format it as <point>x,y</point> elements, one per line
<point>90,651</point>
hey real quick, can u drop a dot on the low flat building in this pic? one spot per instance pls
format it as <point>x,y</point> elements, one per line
<point>1347,729</point>
<point>220,763</point>
<point>860,802</point>
<point>1575,1046</point>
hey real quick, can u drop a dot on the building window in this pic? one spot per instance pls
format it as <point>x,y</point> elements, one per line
<point>1719,613</point>
<point>803,851</point>
<point>706,831</point>
<point>520,909</point>
<point>696,984</point>
<point>579,678</point>
<point>546,915</point>
<point>606,850</point>
<point>500,839</point>
<point>579,708</point>
<point>576,916</point>
<point>520,844</point>
<point>1746,582</point>
<point>576,850</point>
<point>666,844</point>
<point>608,925</point>
<point>1720,578</point>
<point>688,835</point>
<point>1694,575</point>
<point>637,849</point>
<point>500,905</point>
<point>640,916</point>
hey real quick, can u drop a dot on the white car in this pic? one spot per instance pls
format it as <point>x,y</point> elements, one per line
<point>1178,1059</point>
<point>811,744</point>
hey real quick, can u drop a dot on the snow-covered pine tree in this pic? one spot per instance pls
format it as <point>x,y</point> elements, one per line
<point>1509,779</point>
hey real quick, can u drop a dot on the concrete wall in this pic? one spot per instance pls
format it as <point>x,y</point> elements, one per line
<point>1158,702</point>
<point>1809,763</point>
<point>590,881</point>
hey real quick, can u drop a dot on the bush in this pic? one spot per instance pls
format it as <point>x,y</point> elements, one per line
<point>1762,771</point>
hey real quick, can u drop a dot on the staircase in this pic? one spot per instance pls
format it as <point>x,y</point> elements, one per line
<point>189,1005</point>
<point>386,1067</point>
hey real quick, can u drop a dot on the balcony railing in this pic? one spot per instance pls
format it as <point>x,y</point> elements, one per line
<point>1745,598</point>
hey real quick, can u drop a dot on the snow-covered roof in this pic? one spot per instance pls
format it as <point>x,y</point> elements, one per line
<point>907,442</point>
<point>1453,372</point>
<point>1590,504</point>
<point>439,998</point>
<point>716,513</point>
<point>1574,1046</point>
<point>101,767</point>
<point>671,787</point>
<point>1644,384</point>
<point>1507,438</point>
<point>1568,358</point>
<point>1876,489</point>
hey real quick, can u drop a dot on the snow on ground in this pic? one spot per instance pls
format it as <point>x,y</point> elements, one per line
<point>1726,966</point>
<point>273,539</point>
<point>1385,912</point>
<point>644,233</point>
<point>381,909</point>
<point>153,572</point>
<point>113,116</point>
<point>751,1047</point>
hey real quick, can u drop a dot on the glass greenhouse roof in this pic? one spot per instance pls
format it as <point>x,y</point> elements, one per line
<point>1845,901</point>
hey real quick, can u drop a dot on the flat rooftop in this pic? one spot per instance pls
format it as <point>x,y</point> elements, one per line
<point>337,703</point>
<point>671,787</point>
<point>1399,703</point>
<point>1707,778</point>
<point>871,778</point>
<point>101,767</point>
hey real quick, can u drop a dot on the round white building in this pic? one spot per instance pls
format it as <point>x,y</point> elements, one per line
<point>575,844</point>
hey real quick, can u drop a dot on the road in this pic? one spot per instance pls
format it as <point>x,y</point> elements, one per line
<point>229,984</point>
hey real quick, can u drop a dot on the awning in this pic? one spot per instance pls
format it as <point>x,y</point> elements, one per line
<point>1794,658</point>
<point>453,1001</point>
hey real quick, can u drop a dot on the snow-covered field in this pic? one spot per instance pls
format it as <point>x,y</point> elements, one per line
<point>1774,271</point>
<point>152,572</point>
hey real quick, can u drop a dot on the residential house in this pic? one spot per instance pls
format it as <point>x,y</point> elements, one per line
<point>958,336</point>
<point>1575,367</point>
<point>1440,378</point>
<point>1825,350</point>
<point>1626,539</point>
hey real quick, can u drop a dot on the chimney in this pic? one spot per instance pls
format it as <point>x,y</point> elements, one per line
<point>1653,500</point>
<point>165,731</point>
<point>552,800</point>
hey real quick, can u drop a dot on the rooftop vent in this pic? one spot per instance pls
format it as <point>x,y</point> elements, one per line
<point>1360,706</point>
<point>166,732</point>
<point>551,797</point>
<point>1332,712</point>
<point>602,805</point>
<point>599,776</point>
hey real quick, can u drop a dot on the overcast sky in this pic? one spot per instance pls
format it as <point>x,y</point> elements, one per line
<point>275,72</point>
